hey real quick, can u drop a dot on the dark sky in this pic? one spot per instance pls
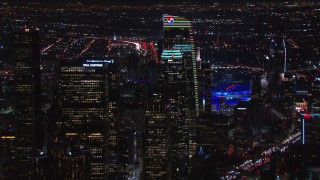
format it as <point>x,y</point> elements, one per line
<point>142,1</point>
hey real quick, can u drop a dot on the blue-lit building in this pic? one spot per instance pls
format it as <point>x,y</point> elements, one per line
<point>225,96</point>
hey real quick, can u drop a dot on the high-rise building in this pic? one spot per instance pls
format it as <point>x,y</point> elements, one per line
<point>242,128</point>
<point>113,113</point>
<point>310,128</point>
<point>26,57</point>
<point>315,94</point>
<point>130,141</point>
<point>179,85</point>
<point>178,43</point>
<point>7,134</point>
<point>87,90</point>
<point>205,78</point>
<point>213,132</point>
<point>276,68</point>
<point>156,155</point>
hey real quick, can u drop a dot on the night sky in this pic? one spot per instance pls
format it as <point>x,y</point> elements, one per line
<point>145,1</point>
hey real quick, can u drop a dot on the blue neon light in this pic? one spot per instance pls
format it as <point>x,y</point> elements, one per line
<point>245,99</point>
<point>303,140</point>
<point>231,102</point>
<point>231,93</point>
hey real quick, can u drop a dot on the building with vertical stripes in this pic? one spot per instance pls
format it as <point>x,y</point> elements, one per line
<point>179,86</point>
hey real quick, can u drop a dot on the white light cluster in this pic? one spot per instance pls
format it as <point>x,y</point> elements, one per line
<point>92,65</point>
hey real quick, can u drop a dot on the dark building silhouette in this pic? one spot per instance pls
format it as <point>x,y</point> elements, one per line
<point>205,82</point>
<point>26,57</point>
<point>212,132</point>
<point>242,128</point>
<point>314,90</point>
<point>276,68</point>
<point>7,134</point>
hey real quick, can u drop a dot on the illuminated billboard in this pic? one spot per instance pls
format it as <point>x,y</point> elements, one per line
<point>97,62</point>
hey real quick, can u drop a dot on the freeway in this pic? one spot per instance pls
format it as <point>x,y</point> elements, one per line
<point>250,165</point>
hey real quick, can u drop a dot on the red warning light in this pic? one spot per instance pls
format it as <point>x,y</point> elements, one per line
<point>306,116</point>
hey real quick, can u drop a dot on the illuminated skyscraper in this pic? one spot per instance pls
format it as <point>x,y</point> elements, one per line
<point>179,44</point>
<point>26,57</point>
<point>156,156</point>
<point>178,82</point>
<point>87,92</point>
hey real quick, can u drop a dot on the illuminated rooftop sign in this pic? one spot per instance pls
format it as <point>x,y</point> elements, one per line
<point>240,108</point>
<point>100,61</point>
<point>97,62</point>
<point>170,20</point>
<point>175,22</point>
<point>92,65</point>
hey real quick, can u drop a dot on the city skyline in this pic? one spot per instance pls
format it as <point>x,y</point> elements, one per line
<point>192,90</point>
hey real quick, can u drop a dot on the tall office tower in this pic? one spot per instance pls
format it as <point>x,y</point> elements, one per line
<point>26,57</point>
<point>178,38</point>
<point>7,134</point>
<point>276,68</point>
<point>113,115</point>
<point>242,128</point>
<point>156,155</point>
<point>315,94</point>
<point>87,90</point>
<point>310,129</point>
<point>213,132</point>
<point>205,78</point>
<point>3,54</point>
<point>178,82</point>
<point>130,142</point>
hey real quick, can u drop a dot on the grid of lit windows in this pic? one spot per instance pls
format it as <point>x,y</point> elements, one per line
<point>85,111</point>
<point>156,141</point>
